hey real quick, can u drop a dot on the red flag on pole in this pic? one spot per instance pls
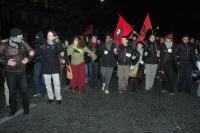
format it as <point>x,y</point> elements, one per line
<point>122,29</point>
<point>89,30</point>
<point>146,26</point>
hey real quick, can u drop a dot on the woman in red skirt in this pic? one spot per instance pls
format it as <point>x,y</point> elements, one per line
<point>77,51</point>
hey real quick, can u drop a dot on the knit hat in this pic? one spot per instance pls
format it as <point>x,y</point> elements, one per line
<point>15,32</point>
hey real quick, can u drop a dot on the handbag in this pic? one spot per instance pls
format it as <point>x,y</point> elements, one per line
<point>68,70</point>
<point>133,70</point>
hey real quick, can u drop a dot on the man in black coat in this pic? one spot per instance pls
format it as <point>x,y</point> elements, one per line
<point>185,59</point>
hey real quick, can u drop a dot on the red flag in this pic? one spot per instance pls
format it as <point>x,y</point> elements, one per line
<point>122,29</point>
<point>89,30</point>
<point>146,26</point>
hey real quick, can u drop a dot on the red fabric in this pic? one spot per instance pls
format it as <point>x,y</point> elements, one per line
<point>78,77</point>
<point>94,45</point>
<point>88,31</point>
<point>122,29</point>
<point>146,26</point>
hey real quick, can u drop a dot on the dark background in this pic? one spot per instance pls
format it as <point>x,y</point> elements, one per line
<point>71,17</point>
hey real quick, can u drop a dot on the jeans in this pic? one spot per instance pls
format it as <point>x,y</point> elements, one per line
<point>106,73</point>
<point>6,93</point>
<point>37,78</point>
<point>93,73</point>
<point>14,79</point>
<point>185,76</point>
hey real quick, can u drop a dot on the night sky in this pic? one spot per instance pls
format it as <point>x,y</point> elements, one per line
<point>171,16</point>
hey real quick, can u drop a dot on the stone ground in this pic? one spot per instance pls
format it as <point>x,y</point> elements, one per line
<point>95,112</point>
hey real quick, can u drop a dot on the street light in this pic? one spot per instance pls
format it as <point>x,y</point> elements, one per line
<point>102,1</point>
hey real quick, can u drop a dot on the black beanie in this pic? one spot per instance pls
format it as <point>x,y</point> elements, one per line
<point>15,32</point>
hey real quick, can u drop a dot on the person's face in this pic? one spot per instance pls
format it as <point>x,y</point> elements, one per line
<point>57,40</point>
<point>94,39</point>
<point>50,36</point>
<point>124,41</point>
<point>139,46</point>
<point>192,40</point>
<point>108,38</point>
<point>75,41</point>
<point>134,38</point>
<point>37,37</point>
<point>168,41</point>
<point>152,38</point>
<point>185,40</point>
<point>66,42</point>
<point>162,40</point>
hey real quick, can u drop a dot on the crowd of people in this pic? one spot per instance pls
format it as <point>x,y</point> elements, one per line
<point>93,62</point>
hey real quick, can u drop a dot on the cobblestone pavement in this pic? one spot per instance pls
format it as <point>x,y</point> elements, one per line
<point>95,112</point>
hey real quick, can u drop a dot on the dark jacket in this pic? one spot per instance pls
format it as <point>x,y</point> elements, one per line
<point>18,53</point>
<point>109,59</point>
<point>185,53</point>
<point>124,55</point>
<point>167,56</point>
<point>50,57</point>
<point>152,54</point>
<point>38,43</point>
<point>95,49</point>
<point>137,55</point>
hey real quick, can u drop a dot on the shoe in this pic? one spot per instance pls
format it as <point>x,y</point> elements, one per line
<point>164,91</point>
<point>171,93</point>
<point>103,87</point>
<point>58,101</point>
<point>12,113</point>
<point>36,95</point>
<point>107,92</point>
<point>72,91</point>
<point>49,101</point>
<point>120,91</point>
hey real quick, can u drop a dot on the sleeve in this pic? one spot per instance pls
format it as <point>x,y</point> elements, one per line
<point>176,53</point>
<point>193,55</point>
<point>28,49</point>
<point>3,60</point>
<point>70,50</point>
<point>92,54</point>
<point>100,51</point>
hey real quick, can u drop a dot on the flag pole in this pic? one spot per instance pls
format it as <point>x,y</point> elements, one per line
<point>140,38</point>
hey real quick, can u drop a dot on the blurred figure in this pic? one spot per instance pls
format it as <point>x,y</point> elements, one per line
<point>93,67</point>
<point>49,53</point>
<point>137,67</point>
<point>151,62</point>
<point>167,64</point>
<point>185,58</point>
<point>77,51</point>
<point>124,61</point>
<point>3,79</point>
<point>192,41</point>
<point>15,55</point>
<point>108,52</point>
<point>39,41</point>
<point>133,41</point>
<point>162,40</point>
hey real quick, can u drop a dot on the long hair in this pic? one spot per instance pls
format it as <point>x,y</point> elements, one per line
<point>81,42</point>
